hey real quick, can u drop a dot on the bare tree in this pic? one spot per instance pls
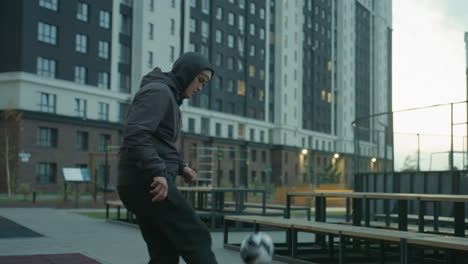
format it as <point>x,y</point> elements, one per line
<point>9,133</point>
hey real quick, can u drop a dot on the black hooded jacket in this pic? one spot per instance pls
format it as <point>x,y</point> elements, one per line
<point>153,123</point>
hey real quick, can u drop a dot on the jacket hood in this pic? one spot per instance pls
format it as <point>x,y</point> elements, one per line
<point>184,70</point>
<point>188,66</point>
<point>157,75</point>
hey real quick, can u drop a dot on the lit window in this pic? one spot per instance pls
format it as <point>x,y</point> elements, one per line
<point>252,71</point>
<point>241,88</point>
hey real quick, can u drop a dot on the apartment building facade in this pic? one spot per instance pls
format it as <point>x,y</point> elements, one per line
<point>290,78</point>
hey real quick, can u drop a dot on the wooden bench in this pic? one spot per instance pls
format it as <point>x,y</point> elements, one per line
<point>279,207</point>
<point>118,204</point>
<point>343,232</point>
<point>427,218</point>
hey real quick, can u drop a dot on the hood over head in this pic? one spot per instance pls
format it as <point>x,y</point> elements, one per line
<point>184,70</point>
<point>188,66</point>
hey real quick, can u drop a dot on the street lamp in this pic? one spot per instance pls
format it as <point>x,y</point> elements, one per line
<point>336,156</point>
<point>373,160</point>
<point>304,151</point>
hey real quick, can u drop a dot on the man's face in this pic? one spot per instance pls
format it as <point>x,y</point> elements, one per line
<point>197,84</point>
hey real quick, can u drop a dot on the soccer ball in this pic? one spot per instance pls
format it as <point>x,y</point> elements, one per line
<point>257,248</point>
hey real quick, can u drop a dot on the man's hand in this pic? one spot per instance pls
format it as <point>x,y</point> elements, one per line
<point>159,189</point>
<point>189,175</point>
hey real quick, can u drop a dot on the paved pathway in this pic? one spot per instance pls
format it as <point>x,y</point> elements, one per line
<point>67,232</point>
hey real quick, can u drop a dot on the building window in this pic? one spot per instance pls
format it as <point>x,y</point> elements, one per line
<point>191,125</point>
<point>47,137</point>
<point>205,33</point>
<point>262,34</point>
<point>230,108</point>
<point>219,13</point>
<point>150,31</point>
<point>80,107</point>
<point>104,140</point>
<point>241,24</point>
<point>218,106</point>
<point>218,82</point>
<point>49,4</point>
<point>252,138</point>
<point>82,12</point>
<point>172,27</point>
<point>172,53</point>
<point>241,131</point>
<point>150,59</point>
<point>193,25</point>
<point>103,80</point>
<point>151,5</point>
<point>81,142</point>
<point>124,54</point>
<point>252,8</point>
<point>218,59</point>
<point>230,87</point>
<point>104,19</point>
<point>204,101</point>
<point>230,40</point>
<point>125,25</point>
<point>231,19</point>
<point>231,134</point>
<point>252,71</point>
<point>218,129</point>
<point>81,43</point>
<point>262,74</point>
<point>240,46</point>
<point>252,50</point>
<point>252,29</point>
<point>205,6</point>
<point>173,3</point>
<point>205,126</point>
<point>103,113</point>
<point>241,88</point>
<point>262,13</point>
<point>241,4</point>
<point>47,33</point>
<point>103,50</point>
<point>218,36</point>
<point>230,63</point>
<point>262,136</point>
<point>47,102</point>
<point>263,155</point>
<point>46,67</point>
<point>124,82</point>
<point>46,173</point>
<point>193,3</point>
<point>204,50</point>
<point>80,74</point>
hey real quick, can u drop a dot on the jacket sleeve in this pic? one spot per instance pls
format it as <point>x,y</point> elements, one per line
<point>182,165</point>
<point>148,109</point>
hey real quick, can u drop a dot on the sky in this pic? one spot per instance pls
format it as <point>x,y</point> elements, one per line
<point>429,62</point>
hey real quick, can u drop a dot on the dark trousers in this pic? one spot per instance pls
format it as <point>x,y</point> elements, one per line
<point>170,227</point>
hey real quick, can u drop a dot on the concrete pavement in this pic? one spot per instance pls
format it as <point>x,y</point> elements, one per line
<point>65,231</point>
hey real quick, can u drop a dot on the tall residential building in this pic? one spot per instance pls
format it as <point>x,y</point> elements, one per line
<point>290,78</point>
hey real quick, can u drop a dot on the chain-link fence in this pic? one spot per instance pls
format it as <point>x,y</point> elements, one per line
<point>431,138</point>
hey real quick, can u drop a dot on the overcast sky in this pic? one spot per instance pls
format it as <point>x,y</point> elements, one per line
<point>429,62</point>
